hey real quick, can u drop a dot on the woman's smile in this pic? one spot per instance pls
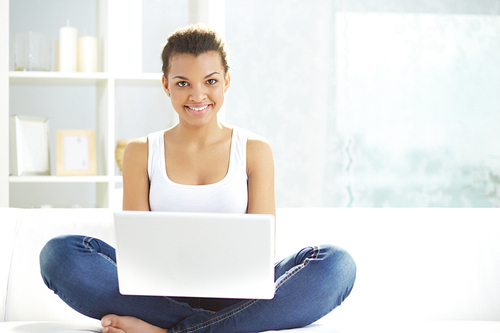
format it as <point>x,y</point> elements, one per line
<point>198,110</point>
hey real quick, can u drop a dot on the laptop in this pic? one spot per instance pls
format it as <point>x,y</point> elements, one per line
<point>195,254</point>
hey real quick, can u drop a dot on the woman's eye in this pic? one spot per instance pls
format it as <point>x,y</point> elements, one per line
<point>212,81</point>
<point>182,83</point>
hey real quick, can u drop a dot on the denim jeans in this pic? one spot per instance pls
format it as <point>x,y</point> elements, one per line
<point>309,284</point>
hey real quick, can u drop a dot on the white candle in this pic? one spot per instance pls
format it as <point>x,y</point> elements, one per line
<point>67,49</point>
<point>87,53</point>
<point>56,60</point>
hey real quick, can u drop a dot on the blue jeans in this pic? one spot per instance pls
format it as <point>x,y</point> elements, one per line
<point>309,284</point>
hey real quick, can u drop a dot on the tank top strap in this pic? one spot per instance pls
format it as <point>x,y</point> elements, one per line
<point>239,151</point>
<point>155,144</point>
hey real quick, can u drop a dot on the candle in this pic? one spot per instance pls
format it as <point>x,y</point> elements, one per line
<point>56,62</point>
<point>87,53</point>
<point>67,49</point>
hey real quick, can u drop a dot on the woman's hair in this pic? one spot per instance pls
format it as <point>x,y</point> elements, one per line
<point>195,40</point>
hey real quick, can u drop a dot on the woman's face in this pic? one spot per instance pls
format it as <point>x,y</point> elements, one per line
<point>196,85</point>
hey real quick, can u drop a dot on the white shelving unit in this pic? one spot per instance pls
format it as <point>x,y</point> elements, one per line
<point>107,181</point>
<point>119,31</point>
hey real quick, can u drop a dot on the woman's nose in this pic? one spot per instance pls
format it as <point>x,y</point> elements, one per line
<point>198,93</point>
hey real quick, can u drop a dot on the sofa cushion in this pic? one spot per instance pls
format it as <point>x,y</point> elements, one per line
<point>412,264</point>
<point>48,327</point>
<point>27,296</point>
<point>393,326</point>
<point>8,222</point>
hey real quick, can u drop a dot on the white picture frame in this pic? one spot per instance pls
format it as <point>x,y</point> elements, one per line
<point>76,153</point>
<point>29,145</point>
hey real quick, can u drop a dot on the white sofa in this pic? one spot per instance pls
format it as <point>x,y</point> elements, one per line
<point>418,270</point>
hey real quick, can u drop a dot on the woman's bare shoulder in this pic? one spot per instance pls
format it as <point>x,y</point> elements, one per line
<point>259,152</point>
<point>137,145</point>
<point>257,144</point>
<point>136,149</point>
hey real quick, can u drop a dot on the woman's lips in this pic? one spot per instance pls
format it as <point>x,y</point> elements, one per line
<point>198,110</point>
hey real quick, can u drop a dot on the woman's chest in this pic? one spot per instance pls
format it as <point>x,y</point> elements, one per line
<point>195,166</point>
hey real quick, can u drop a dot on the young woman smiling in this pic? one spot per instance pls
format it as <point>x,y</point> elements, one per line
<point>199,165</point>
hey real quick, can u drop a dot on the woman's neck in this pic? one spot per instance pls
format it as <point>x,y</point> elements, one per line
<point>199,136</point>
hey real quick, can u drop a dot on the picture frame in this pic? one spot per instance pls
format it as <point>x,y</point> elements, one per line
<point>29,145</point>
<point>76,153</point>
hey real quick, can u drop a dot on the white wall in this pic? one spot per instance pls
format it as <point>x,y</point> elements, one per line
<point>372,104</point>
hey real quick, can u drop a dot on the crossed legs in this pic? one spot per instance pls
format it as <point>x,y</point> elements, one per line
<point>82,271</point>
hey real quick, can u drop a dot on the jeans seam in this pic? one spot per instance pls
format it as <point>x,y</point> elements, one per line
<point>250,303</point>
<point>86,243</point>
<point>298,267</point>
<point>219,318</point>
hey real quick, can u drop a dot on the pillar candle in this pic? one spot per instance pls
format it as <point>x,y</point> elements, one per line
<point>87,53</point>
<point>56,55</point>
<point>67,49</point>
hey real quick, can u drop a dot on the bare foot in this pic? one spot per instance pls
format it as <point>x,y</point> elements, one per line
<point>119,324</point>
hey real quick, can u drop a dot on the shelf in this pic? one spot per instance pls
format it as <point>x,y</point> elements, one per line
<point>56,78</point>
<point>77,78</point>
<point>63,179</point>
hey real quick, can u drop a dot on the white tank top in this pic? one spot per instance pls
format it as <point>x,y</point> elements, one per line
<point>230,195</point>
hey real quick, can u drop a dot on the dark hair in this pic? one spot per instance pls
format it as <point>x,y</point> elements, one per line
<point>195,40</point>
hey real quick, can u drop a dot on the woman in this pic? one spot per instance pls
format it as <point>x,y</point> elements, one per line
<point>204,166</point>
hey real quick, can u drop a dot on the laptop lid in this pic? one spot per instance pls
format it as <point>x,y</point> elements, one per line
<point>195,254</point>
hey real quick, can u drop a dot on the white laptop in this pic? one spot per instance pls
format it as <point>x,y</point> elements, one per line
<point>195,254</point>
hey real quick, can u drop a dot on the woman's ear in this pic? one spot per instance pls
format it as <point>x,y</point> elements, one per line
<point>227,81</point>
<point>164,83</point>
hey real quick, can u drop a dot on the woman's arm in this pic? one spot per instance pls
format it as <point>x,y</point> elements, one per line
<point>135,176</point>
<point>260,171</point>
